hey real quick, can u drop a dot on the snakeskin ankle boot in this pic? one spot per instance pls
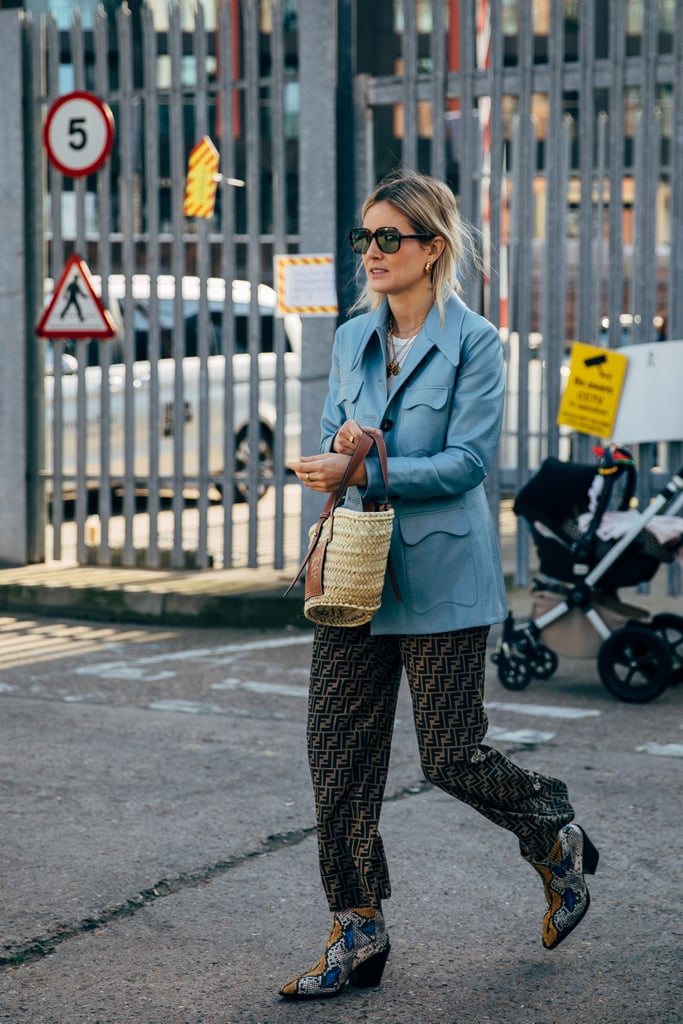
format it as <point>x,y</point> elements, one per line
<point>356,951</point>
<point>565,888</point>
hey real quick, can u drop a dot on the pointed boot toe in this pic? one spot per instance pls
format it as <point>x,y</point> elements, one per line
<point>356,951</point>
<point>572,856</point>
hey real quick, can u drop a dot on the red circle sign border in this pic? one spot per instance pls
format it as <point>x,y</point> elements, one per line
<point>109,133</point>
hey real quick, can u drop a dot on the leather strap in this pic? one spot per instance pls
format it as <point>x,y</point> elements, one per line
<point>369,437</point>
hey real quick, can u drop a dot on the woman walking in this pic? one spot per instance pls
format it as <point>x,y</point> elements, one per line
<point>428,372</point>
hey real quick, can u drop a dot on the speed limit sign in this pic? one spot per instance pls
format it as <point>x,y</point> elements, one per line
<point>78,133</point>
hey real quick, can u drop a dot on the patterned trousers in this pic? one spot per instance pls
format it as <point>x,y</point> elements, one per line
<point>352,701</point>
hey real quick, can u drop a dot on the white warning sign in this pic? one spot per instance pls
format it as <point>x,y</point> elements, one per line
<point>75,310</point>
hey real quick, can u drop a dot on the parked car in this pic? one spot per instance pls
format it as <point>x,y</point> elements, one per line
<point>145,374</point>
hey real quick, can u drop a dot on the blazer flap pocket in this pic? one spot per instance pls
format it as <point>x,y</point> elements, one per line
<point>415,528</point>
<point>435,398</point>
<point>349,390</point>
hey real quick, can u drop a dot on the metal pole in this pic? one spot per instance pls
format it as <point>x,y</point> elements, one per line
<point>15,331</point>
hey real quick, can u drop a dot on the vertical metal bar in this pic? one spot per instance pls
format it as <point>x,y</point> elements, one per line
<point>124,26</point>
<point>409,55</point>
<point>469,154</point>
<point>524,146</point>
<point>78,64</point>
<point>645,255</point>
<point>202,225</point>
<point>598,260</point>
<point>492,304</point>
<point>615,283</point>
<point>647,183</point>
<point>227,99</point>
<point>152,174</point>
<point>250,14</point>
<point>56,263</point>
<point>586,328</point>
<point>279,185</point>
<point>365,159</point>
<point>497,158</point>
<point>104,191</point>
<point>554,278</point>
<point>178,160</point>
<point>438,83</point>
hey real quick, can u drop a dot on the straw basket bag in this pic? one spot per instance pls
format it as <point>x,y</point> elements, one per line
<point>347,556</point>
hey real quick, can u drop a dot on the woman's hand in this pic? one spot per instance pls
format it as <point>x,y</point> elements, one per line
<point>324,472</point>
<point>346,438</point>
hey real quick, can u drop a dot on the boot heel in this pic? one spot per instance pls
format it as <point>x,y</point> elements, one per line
<point>369,973</point>
<point>590,855</point>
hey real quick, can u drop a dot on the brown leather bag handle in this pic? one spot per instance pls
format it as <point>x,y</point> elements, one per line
<point>369,437</point>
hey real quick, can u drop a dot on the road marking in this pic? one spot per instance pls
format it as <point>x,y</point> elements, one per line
<point>279,689</point>
<point>189,707</point>
<point>226,652</point>
<point>662,749</point>
<point>25,642</point>
<point>529,736</point>
<point>542,710</point>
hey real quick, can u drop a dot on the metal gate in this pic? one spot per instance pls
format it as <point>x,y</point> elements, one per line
<point>559,127</point>
<point>167,445</point>
<point>539,114</point>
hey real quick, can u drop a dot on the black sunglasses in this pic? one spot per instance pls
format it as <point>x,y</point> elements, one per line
<point>388,239</point>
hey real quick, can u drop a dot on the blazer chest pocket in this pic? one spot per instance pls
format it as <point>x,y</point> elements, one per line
<point>438,562</point>
<point>349,393</point>
<point>423,410</point>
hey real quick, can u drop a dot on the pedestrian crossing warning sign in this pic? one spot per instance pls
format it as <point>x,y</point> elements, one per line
<point>75,310</point>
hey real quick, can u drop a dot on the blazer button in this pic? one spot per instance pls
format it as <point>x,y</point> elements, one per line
<point>386,425</point>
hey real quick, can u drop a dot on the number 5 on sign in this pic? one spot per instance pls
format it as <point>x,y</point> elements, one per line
<point>78,134</point>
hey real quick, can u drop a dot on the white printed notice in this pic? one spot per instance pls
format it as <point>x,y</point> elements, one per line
<point>306,285</point>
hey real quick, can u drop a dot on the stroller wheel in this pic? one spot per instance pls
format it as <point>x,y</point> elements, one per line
<point>635,664</point>
<point>544,662</point>
<point>514,671</point>
<point>670,628</point>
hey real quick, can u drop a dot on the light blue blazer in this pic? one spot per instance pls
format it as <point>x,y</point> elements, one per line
<point>441,424</point>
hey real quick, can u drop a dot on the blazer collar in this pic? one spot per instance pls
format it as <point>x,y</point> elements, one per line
<point>444,336</point>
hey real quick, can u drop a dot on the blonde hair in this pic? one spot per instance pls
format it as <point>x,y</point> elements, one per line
<point>430,207</point>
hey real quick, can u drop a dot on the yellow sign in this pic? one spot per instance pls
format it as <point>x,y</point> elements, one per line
<point>591,398</point>
<point>306,285</point>
<point>202,179</point>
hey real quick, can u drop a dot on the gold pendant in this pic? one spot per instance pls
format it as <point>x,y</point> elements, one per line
<point>393,369</point>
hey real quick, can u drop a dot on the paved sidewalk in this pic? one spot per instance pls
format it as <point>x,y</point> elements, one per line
<point>208,597</point>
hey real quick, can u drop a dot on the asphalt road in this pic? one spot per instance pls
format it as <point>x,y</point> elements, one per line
<point>158,858</point>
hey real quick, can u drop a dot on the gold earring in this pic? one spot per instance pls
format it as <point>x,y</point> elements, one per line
<point>428,267</point>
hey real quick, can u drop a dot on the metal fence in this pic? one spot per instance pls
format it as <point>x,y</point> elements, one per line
<point>567,158</point>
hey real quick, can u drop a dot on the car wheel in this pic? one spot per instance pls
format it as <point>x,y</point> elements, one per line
<point>242,462</point>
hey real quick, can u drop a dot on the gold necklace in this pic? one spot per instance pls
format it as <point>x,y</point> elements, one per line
<point>397,357</point>
<point>394,364</point>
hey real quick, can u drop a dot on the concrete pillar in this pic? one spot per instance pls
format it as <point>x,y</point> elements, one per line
<point>13,312</point>
<point>317,209</point>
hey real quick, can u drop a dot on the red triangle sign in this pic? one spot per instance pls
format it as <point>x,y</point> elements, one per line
<point>75,310</point>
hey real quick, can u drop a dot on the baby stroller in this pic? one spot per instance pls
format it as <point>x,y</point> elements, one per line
<point>576,610</point>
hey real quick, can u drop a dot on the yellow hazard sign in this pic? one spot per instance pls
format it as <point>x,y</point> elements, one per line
<point>591,398</point>
<point>202,179</point>
<point>306,285</point>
